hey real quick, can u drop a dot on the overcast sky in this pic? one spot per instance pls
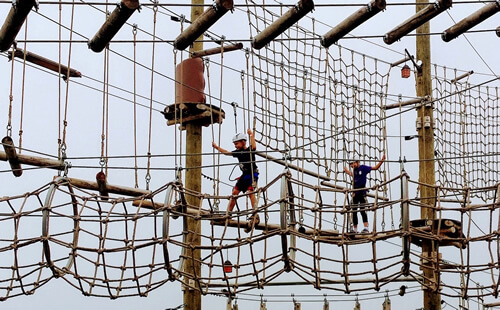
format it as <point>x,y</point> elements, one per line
<point>46,98</point>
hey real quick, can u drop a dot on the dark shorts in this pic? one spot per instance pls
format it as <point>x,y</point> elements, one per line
<point>246,183</point>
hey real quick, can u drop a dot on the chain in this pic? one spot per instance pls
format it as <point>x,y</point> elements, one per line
<point>235,105</point>
<point>11,97</point>
<point>136,172</point>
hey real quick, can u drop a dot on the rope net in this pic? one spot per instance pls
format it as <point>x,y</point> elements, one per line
<point>467,131</point>
<point>323,106</point>
<point>123,246</point>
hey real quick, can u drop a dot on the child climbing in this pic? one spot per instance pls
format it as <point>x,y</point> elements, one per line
<point>358,174</point>
<point>250,174</point>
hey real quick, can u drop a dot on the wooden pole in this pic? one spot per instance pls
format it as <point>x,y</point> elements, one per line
<point>432,298</point>
<point>192,265</point>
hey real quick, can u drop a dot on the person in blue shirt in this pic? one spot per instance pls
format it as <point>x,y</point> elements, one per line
<point>359,173</point>
<point>249,172</point>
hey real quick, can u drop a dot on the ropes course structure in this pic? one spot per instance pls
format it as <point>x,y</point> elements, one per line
<point>467,122</point>
<point>128,246</point>
<point>313,108</point>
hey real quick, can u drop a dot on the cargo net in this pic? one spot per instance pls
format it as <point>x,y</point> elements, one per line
<point>317,105</point>
<point>114,246</point>
<point>467,132</point>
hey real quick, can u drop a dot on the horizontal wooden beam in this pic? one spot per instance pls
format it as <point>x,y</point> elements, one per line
<point>404,103</point>
<point>36,161</point>
<point>46,63</point>
<point>284,22</point>
<point>14,21</point>
<point>203,23</point>
<point>470,21</point>
<point>113,24</point>
<point>148,204</point>
<point>291,166</point>
<point>417,20</point>
<point>458,78</point>
<point>113,189</point>
<point>218,50</point>
<point>353,21</point>
<point>322,281</point>
<point>345,188</point>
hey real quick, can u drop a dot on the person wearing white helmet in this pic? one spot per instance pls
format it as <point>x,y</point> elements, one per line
<point>250,174</point>
<point>359,173</point>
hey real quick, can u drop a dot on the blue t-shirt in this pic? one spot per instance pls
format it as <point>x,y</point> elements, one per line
<point>359,176</point>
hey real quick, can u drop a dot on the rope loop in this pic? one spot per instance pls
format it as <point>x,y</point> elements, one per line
<point>9,130</point>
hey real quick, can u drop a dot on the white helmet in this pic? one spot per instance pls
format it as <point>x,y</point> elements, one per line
<point>239,137</point>
<point>354,159</point>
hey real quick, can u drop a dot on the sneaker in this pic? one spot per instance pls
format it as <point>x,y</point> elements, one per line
<point>365,231</point>
<point>252,221</point>
<point>352,231</point>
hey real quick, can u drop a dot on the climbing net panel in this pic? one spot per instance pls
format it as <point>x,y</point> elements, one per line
<point>322,104</point>
<point>115,246</point>
<point>467,131</point>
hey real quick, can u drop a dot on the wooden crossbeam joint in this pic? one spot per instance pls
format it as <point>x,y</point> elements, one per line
<point>12,157</point>
<point>199,113</point>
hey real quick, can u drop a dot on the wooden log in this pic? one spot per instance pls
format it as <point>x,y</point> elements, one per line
<point>283,23</point>
<point>14,21</point>
<point>470,21</point>
<point>202,23</point>
<point>351,22</point>
<point>458,78</point>
<point>157,205</point>
<point>345,188</point>
<point>112,25</point>
<point>405,103</point>
<point>218,50</point>
<point>246,224</point>
<point>291,166</point>
<point>114,189</point>
<point>417,20</point>
<point>322,281</point>
<point>36,161</point>
<point>10,151</point>
<point>397,63</point>
<point>46,63</point>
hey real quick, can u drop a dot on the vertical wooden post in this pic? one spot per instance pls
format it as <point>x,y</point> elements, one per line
<point>432,298</point>
<point>192,298</point>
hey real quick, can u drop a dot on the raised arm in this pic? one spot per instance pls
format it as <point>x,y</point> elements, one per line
<point>379,163</point>
<point>218,148</point>
<point>347,171</point>
<point>253,145</point>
